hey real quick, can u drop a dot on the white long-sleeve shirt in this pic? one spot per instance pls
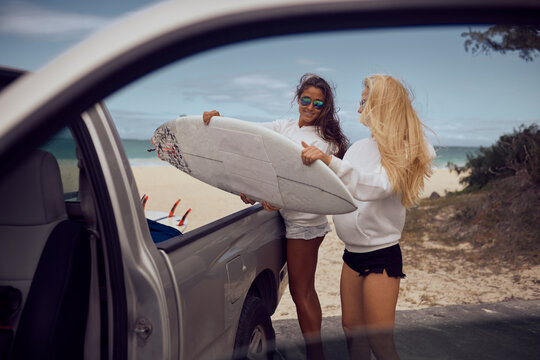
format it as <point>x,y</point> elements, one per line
<point>380,217</point>
<point>310,136</point>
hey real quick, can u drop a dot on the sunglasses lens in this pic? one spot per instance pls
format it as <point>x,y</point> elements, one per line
<point>305,101</point>
<point>317,104</point>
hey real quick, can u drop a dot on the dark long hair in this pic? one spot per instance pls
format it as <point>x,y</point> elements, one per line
<point>327,123</point>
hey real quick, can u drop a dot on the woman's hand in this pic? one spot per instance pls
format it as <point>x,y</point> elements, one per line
<point>246,200</point>
<point>207,115</point>
<point>268,207</point>
<point>265,205</point>
<point>311,153</point>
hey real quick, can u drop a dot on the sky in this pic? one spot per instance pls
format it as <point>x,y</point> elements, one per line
<point>464,99</point>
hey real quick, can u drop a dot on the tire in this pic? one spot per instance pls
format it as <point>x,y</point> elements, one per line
<point>255,337</point>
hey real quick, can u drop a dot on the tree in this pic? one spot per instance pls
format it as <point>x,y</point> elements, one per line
<point>503,38</point>
<point>514,153</point>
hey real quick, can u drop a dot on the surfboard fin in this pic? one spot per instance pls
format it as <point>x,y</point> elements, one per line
<point>183,220</point>
<point>171,213</point>
<point>144,199</point>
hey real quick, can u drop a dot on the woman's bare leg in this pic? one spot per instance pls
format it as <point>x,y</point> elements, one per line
<point>380,299</point>
<point>353,319</point>
<point>368,307</point>
<point>302,258</point>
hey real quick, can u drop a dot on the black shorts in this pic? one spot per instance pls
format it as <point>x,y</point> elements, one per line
<point>377,261</point>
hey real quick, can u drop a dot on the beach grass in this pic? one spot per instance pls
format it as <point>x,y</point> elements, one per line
<point>500,222</point>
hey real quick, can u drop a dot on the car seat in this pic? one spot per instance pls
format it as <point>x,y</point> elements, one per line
<point>47,257</point>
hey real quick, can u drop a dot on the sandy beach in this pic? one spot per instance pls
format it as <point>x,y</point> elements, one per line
<point>165,184</point>
<point>434,281</point>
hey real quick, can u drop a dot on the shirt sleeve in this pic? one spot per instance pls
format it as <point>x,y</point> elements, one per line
<point>364,186</point>
<point>272,125</point>
<point>324,146</point>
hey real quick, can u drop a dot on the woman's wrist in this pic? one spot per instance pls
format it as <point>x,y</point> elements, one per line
<point>327,159</point>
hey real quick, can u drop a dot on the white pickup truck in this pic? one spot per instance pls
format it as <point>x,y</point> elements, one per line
<point>80,276</point>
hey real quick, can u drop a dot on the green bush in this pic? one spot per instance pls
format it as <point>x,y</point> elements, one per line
<point>518,152</point>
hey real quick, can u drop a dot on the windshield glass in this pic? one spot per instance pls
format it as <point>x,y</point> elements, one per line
<point>466,99</point>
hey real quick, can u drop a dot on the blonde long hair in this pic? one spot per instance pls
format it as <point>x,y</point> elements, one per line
<point>399,133</point>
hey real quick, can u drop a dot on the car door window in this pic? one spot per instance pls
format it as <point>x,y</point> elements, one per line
<point>63,147</point>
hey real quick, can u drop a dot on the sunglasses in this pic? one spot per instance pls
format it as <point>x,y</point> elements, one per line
<point>317,104</point>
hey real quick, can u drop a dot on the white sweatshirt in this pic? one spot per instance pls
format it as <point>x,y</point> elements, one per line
<point>380,217</point>
<point>310,136</point>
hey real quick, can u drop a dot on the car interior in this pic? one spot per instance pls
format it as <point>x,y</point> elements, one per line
<point>54,248</point>
<point>48,256</point>
<point>50,261</point>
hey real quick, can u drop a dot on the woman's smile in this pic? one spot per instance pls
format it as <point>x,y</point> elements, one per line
<point>309,113</point>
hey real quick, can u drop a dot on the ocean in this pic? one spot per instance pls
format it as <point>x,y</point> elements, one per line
<point>453,154</point>
<point>138,154</point>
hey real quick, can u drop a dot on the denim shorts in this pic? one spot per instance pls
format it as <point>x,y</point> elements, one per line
<point>306,232</point>
<point>376,262</point>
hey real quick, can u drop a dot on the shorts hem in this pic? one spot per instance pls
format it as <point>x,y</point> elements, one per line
<point>307,232</point>
<point>393,274</point>
<point>376,262</point>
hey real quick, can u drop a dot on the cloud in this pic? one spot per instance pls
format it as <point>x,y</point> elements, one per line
<point>259,80</point>
<point>138,124</point>
<point>323,69</point>
<point>317,67</point>
<point>34,21</point>
<point>220,97</point>
<point>265,92</point>
<point>472,131</point>
<point>255,96</point>
<point>306,62</point>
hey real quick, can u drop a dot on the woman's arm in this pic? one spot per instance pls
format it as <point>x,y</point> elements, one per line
<point>265,205</point>
<point>362,185</point>
<point>207,116</point>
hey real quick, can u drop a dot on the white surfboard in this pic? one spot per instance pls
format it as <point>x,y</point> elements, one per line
<point>243,157</point>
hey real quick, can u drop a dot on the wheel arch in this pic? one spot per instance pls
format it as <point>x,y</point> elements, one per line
<point>265,287</point>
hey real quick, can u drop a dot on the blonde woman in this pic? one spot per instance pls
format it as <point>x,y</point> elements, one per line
<point>385,173</point>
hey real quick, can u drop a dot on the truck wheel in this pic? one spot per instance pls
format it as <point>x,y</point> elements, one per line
<point>255,337</point>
